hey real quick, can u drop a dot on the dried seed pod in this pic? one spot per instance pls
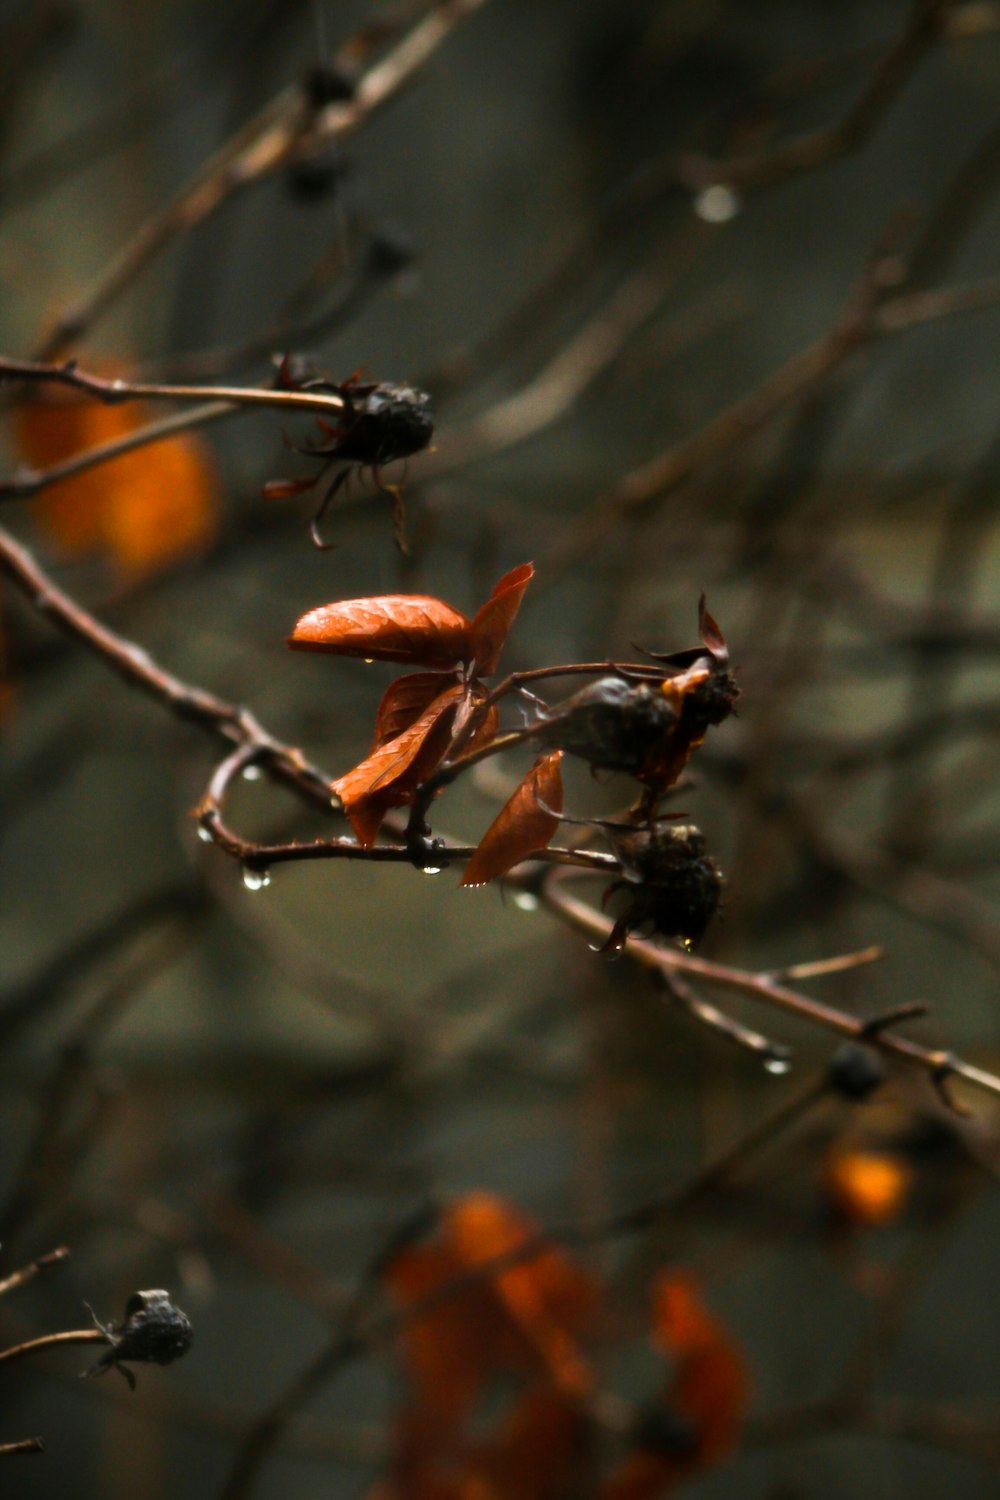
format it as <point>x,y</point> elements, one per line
<point>675,884</point>
<point>613,724</point>
<point>382,423</point>
<point>154,1331</point>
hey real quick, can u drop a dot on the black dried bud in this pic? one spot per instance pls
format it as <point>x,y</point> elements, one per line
<point>661,1429</point>
<point>318,175</point>
<point>391,250</point>
<point>855,1071</point>
<point>324,85</point>
<point>712,699</point>
<point>613,724</point>
<point>382,423</point>
<point>154,1331</point>
<point>675,885</point>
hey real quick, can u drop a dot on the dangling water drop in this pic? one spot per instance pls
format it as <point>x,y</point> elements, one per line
<point>368,660</point>
<point>252,772</point>
<point>255,880</point>
<point>526,901</point>
<point>431,869</point>
<point>777,1065</point>
<point>204,834</point>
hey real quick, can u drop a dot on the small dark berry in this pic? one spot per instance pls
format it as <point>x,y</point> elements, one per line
<point>855,1071</point>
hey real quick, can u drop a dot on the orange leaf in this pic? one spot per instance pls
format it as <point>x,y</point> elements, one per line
<point>402,704</point>
<point>413,629</point>
<point>523,825</point>
<point>524,1317</point>
<point>710,1386</point>
<point>867,1187</point>
<point>536,1451</point>
<point>391,774</point>
<point>491,624</point>
<point>543,1296</point>
<point>406,699</point>
<point>709,1390</point>
<point>147,509</point>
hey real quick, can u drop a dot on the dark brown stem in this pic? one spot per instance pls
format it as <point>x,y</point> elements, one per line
<point>816,148</point>
<point>262,147</point>
<point>51,1341</point>
<point>23,1445</point>
<point>30,1271</point>
<point>137,667</point>
<point>937,1063</point>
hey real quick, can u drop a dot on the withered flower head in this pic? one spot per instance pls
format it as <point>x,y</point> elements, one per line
<point>613,724</point>
<point>674,883</point>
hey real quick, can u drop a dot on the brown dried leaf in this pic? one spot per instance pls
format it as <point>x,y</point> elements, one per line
<point>402,704</point>
<point>414,629</point>
<point>491,624</point>
<point>523,825</point>
<point>388,777</point>
<point>710,633</point>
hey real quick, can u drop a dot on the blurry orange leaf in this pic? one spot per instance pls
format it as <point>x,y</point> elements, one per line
<point>532,1455</point>
<point>491,625</point>
<point>867,1187</point>
<point>413,629</point>
<point>391,774</point>
<point>523,825</point>
<point>710,1386</point>
<point>536,1451</point>
<point>708,1391</point>
<point>544,1296</point>
<point>522,1317</point>
<point>146,509</point>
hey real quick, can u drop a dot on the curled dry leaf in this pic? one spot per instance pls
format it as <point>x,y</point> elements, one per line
<point>525,823</point>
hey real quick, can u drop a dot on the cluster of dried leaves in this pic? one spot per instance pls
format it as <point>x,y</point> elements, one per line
<point>500,1385</point>
<point>645,721</point>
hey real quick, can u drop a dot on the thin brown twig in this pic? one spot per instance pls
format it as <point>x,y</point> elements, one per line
<point>52,1341</point>
<point>31,1270</point>
<point>193,704</point>
<point>869,316</point>
<point>23,1445</point>
<point>924,27</point>
<point>936,1062</point>
<point>262,146</point>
